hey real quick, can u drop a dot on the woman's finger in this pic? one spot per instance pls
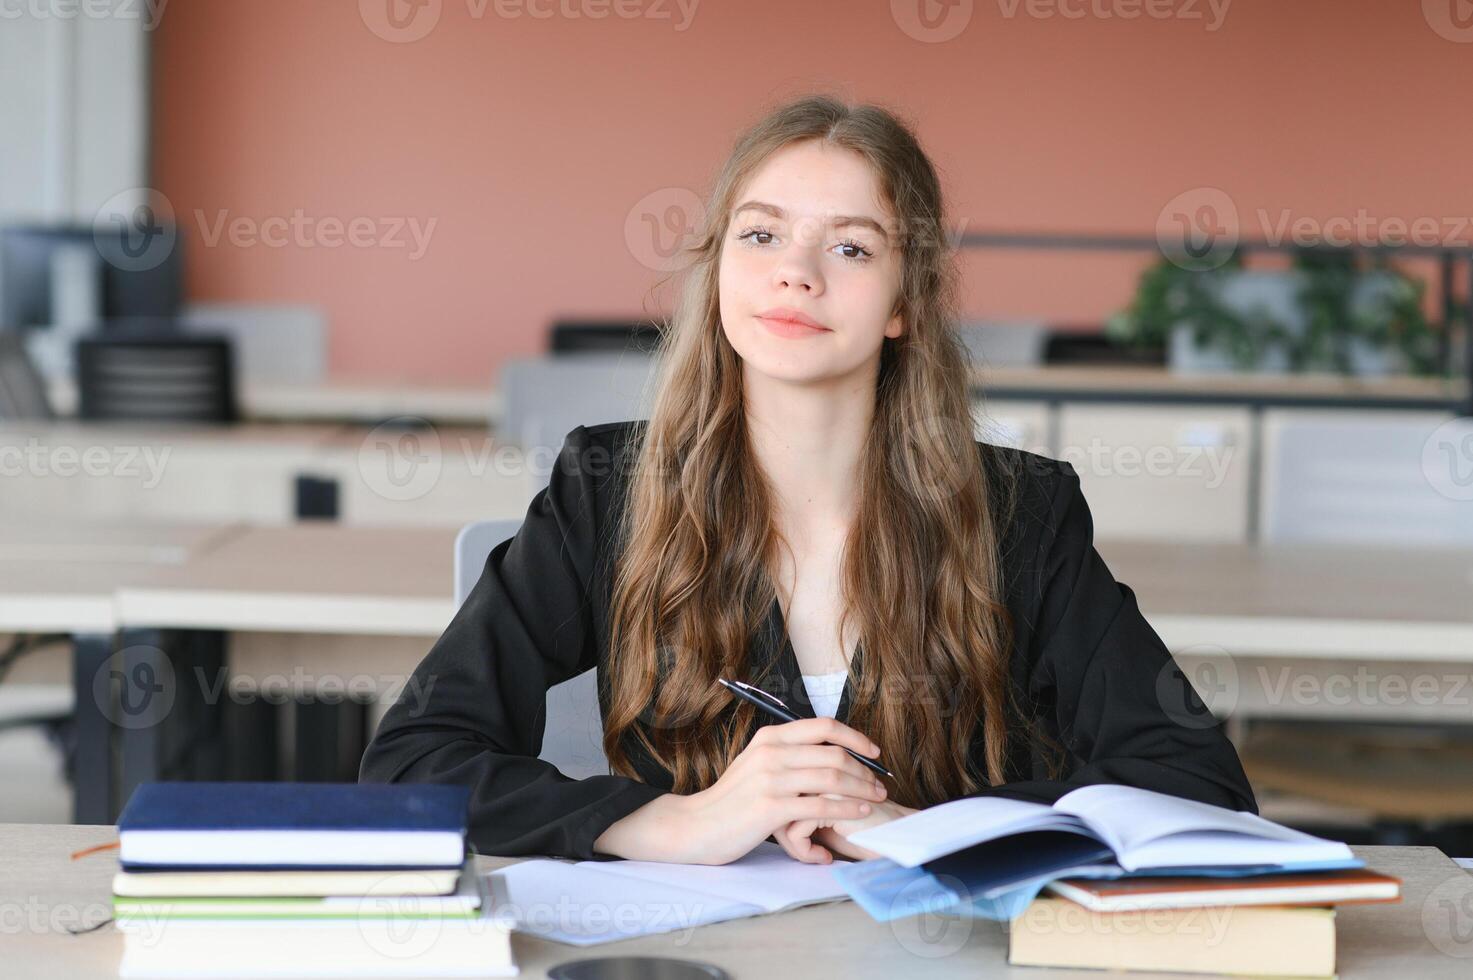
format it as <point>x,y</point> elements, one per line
<point>823,757</point>
<point>813,731</point>
<point>830,782</point>
<point>802,847</point>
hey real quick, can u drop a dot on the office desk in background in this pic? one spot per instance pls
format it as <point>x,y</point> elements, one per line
<point>1428,935</point>
<point>1262,623</point>
<point>64,578</point>
<point>327,602</point>
<point>260,473</point>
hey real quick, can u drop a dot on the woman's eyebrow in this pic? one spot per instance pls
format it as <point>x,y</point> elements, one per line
<point>838,221</point>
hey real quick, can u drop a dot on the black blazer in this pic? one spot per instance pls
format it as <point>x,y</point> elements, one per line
<point>1101,682</point>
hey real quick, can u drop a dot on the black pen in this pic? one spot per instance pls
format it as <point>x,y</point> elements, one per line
<point>775,707</point>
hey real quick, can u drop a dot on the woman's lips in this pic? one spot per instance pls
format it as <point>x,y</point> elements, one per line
<point>790,328</point>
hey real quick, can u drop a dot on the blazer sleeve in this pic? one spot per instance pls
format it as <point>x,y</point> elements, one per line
<point>473,712</point>
<point>1106,686</point>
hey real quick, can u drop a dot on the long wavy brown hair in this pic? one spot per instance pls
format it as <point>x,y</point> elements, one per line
<point>920,577</point>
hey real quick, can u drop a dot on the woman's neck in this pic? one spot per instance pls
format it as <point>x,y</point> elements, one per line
<point>809,440</point>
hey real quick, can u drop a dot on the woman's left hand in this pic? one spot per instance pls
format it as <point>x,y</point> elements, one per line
<point>830,837</point>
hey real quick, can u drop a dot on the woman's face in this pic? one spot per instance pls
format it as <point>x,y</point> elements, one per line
<point>808,238</point>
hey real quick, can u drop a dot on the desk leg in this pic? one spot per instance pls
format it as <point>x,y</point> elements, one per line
<point>93,768</point>
<point>171,686</point>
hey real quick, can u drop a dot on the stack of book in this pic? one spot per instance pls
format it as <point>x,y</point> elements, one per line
<point>1113,877</point>
<point>303,879</point>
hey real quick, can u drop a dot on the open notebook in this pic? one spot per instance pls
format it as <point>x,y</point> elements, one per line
<point>989,857</point>
<point>591,902</point>
<point>1142,829</point>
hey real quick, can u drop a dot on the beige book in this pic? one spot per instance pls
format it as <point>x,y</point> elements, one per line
<point>1275,940</point>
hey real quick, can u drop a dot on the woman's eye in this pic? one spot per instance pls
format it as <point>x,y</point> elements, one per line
<point>863,253</point>
<point>752,233</point>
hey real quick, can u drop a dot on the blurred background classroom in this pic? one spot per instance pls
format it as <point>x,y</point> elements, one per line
<point>291,294</point>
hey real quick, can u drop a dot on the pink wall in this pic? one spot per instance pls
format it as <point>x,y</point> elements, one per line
<point>530,140</point>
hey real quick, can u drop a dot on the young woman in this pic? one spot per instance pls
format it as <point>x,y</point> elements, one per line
<point>805,510</point>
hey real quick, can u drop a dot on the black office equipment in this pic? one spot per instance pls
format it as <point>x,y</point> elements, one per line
<point>316,498</point>
<point>134,281</point>
<point>1078,345</point>
<point>159,377</point>
<point>588,336</point>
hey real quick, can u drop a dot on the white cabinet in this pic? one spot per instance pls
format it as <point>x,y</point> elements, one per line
<point>1170,472</point>
<point>74,117</point>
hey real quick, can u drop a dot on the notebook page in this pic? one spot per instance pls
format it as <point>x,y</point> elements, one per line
<point>1131,819</point>
<point>1218,848</point>
<point>766,877</point>
<point>949,827</point>
<point>572,903</point>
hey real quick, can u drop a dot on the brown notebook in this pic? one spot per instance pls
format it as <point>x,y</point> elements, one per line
<point>1257,940</point>
<point>1339,887</point>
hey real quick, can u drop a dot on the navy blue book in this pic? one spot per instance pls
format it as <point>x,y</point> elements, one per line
<point>294,825</point>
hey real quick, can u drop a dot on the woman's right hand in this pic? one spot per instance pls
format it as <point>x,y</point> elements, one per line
<point>789,772</point>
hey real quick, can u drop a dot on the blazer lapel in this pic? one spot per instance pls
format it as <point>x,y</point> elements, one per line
<point>780,674</point>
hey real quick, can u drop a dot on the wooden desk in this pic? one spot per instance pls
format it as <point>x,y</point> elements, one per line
<point>1129,383</point>
<point>1296,631</point>
<point>1302,600</point>
<point>45,893</point>
<point>305,578</point>
<point>63,578</point>
<point>1285,601</point>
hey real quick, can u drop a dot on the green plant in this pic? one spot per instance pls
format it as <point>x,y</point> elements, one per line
<point>1341,301</point>
<point>1175,293</point>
